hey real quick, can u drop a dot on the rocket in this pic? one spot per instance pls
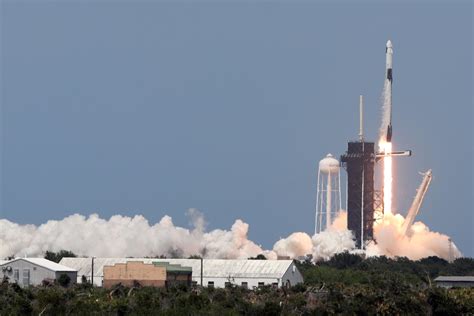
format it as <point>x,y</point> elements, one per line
<point>388,76</point>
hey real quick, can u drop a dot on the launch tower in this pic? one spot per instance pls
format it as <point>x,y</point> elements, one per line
<point>359,161</point>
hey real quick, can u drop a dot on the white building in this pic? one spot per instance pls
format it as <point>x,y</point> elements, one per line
<point>32,271</point>
<point>216,272</point>
<point>455,281</point>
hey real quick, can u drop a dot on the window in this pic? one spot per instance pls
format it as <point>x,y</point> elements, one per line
<point>245,285</point>
<point>26,276</point>
<point>210,284</point>
<point>227,284</point>
<point>16,275</point>
<point>275,285</point>
<point>261,284</point>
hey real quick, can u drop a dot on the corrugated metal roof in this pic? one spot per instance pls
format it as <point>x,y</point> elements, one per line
<point>47,264</point>
<point>212,268</point>
<point>455,278</point>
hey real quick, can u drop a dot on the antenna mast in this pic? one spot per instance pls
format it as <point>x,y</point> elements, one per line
<point>361,118</point>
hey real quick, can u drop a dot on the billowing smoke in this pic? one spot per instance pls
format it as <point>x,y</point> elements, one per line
<point>122,236</point>
<point>126,236</point>
<point>322,246</point>
<point>392,240</point>
<point>390,236</point>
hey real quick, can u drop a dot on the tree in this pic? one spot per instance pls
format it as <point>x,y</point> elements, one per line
<point>64,280</point>
<point>195,257</point>
<point>57,256</point>
<point>344,260</point>
<point>258,257</point>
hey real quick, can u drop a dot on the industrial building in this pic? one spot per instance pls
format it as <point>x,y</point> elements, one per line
<point>158,274</point>
<point>454,281</point>
<point>217,273</point>
<point>33,271</point>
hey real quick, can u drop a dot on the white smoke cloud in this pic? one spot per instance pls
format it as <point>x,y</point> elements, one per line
<point>122,236</point>
<point>295,245</point>
<point>126,236</point>
<point>392,241</point>
<point>336,239</point>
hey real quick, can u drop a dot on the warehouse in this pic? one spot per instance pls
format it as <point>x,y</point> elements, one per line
<point>454,281</point>
<point>33,271</point>
<point>216,272</point>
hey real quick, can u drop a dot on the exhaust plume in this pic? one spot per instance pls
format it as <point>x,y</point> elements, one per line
<point>123,236</point>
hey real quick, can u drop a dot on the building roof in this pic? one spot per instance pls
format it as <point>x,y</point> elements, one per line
<point>212,268</point>
<point>47,264</point>
<point>173,267</point>
<point>454,278</point>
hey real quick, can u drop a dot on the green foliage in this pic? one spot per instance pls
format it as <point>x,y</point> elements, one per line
<point>345,285</point>
<point>64,280</point>
<point>451,302</point>
<point>344,260</point>
<point>57,256</point>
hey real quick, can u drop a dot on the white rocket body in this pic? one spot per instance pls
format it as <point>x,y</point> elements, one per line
<point>389,78</point>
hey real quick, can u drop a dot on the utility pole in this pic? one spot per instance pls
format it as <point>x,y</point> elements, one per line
<point>92,271</point>
<point>201,271</point>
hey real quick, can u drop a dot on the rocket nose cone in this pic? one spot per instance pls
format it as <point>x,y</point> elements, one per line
<point>389,44</point>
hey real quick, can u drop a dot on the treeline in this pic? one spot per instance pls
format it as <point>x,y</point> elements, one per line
<point>346,284</point>
<point>346,268</point>
<point>361,299</point>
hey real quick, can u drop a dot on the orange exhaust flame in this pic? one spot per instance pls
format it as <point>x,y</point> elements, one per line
<point>387,176</point>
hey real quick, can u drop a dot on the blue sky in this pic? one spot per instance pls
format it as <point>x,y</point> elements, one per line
<point>156,107</point>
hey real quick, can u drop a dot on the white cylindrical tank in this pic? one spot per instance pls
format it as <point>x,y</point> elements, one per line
<point>329,164</point>
<point>328,196</point>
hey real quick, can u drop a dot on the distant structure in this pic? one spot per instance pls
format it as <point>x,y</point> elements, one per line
<point>33,271</point>
<point>328,197</point>
<point>217,273</point>
<point>156,274</point>
<point>359,161</point>
<point>455,281</point>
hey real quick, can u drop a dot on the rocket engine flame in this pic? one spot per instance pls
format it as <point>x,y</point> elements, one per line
<point>386,148</point>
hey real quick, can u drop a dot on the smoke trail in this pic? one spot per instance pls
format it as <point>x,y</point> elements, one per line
<point>386,110</point>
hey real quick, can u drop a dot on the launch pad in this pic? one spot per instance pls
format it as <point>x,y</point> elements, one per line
<point>359,161</point>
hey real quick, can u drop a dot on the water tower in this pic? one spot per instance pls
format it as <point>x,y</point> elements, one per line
<point>328,197</point>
